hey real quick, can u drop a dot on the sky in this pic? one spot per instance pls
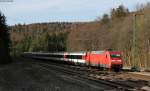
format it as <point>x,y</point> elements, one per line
<point>38,11</point>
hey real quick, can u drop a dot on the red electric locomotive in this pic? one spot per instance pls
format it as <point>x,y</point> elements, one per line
<point>105,59</point>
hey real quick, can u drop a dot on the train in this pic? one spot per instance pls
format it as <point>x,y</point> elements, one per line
<point>111,60</point>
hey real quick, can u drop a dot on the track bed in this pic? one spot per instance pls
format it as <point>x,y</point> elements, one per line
<point>34,75</point>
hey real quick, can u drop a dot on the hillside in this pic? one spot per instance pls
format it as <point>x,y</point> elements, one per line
<point>22,31</point>
<point>40,36</point>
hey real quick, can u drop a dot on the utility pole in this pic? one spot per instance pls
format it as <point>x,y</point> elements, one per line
<point>134,37</point>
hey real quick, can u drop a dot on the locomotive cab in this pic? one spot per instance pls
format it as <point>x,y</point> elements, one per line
<point>116,61</point>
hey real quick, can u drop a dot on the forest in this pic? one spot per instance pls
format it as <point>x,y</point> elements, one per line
<point>121,30</point>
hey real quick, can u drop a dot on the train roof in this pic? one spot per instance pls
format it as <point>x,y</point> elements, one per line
<point>97,52</point>
<point>71,53</point>
<point>76,53</point>
<point>44,53</point>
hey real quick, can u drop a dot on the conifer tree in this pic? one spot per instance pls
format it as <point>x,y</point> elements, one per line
<point>4,40</point>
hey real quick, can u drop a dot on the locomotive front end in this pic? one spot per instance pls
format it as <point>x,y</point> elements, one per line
<point>116,61</point>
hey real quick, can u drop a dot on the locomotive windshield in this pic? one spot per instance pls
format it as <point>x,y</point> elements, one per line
<point>115,55</point>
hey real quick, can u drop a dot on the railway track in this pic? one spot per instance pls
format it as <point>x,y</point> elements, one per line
<point>84,75</point>
<point>90,74</point>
